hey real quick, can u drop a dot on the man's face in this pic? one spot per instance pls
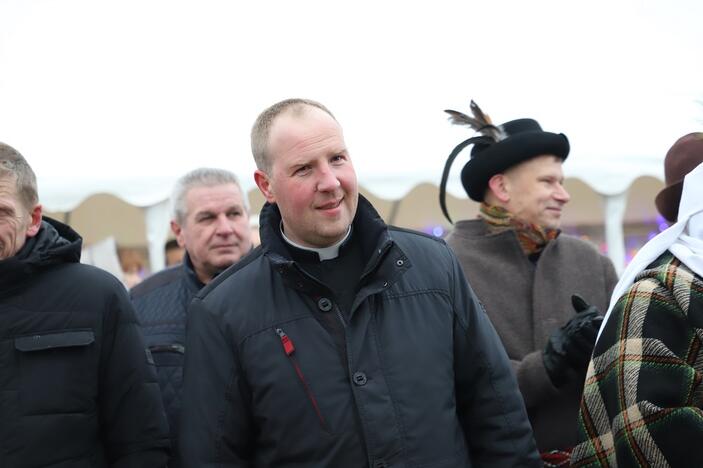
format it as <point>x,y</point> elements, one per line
<point>535,191</point>
<point>312,179</point>
<point>16,222</point>
<point>215,232</point>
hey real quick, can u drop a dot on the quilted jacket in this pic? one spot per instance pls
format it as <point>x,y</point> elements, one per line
<point>161,302</point>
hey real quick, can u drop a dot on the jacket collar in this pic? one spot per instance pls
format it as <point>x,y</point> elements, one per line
<point>367,228</point>
<point>191,278</point>
<point>367,224</point>
<point>55,243</point>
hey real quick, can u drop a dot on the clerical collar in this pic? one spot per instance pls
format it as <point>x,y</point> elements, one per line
<point>325,253</point>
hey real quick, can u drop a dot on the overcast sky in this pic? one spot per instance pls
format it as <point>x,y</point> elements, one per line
<point>101,89</point>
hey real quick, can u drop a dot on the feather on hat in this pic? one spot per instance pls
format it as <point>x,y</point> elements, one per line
<point>495,149</point>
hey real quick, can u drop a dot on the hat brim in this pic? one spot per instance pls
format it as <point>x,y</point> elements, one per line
<point>668,200</point>
<point>500,156</point>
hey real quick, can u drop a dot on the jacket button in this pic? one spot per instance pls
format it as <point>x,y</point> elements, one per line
<point>359,378</point>
<point>324,304</point>
<point>399,263</point>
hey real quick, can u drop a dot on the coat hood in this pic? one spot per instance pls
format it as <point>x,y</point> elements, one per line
<point>55,243</point>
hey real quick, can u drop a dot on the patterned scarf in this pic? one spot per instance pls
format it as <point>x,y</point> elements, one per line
<point>533,238</point>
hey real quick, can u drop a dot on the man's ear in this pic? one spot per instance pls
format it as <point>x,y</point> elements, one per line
<point>177,230</point>
<point>498,186</point>
<point>264,183</point>
<point>35,221</point>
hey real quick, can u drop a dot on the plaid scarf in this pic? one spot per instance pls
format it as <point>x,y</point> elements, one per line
<point>533,238</point>
<point>642,397</point>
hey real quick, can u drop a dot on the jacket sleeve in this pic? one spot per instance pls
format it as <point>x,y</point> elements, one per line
<point>642,398</point>
<point>216,428</point>
<point>491,410</point>
<point>535,385</point>
<point>134,427</point>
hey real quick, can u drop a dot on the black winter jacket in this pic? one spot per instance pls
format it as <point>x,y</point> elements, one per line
<point>76,386</point>
<point>426,382</point>
<point>161,302</point>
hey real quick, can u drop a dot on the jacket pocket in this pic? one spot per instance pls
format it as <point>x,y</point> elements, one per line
<point>65,339</point>
<point>289,349</point>
<point>58,371</point>
<point>168,355</point>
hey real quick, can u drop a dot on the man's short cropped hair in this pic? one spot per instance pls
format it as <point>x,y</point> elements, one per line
<point>13,164</point>
<point>202,177</point>
<point>262,127</point>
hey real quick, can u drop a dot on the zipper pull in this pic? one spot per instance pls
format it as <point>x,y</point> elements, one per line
<point>286,342</point>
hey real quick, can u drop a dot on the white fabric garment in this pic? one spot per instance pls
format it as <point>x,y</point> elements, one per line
<point>684,239</point>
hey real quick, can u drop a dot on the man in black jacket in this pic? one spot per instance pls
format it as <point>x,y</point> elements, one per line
<point>77,384</point>
<point>342,341</point>
<point>211,221</point>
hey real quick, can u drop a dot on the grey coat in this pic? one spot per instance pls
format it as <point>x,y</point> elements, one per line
<point>526,302</point>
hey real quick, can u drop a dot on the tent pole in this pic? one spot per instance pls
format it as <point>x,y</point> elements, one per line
<point>157,224</point>
<point>614,233</point>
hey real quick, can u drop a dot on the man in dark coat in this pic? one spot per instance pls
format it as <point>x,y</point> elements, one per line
<point>78,385</point>
<point>342,342</point>
<point>526,272</point>
<point>211,222</point>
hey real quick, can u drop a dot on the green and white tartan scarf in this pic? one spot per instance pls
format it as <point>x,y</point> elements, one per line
<point>643,399</point>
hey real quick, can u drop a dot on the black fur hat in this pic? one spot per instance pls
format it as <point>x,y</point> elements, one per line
<point>498,148</point>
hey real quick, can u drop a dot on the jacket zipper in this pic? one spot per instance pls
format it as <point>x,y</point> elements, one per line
<point>289,349</point>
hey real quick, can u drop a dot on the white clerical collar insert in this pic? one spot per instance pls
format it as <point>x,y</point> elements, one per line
<point>325,253</point>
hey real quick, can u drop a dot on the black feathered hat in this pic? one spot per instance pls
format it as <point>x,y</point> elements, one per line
<point>496,149</point>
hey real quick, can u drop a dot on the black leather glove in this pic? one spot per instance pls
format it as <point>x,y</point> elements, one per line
<point>569,348</point>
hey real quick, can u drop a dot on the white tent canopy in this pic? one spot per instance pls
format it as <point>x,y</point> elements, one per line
<point>66,193</point>
<point>94,92</point>
<point>152,194</point>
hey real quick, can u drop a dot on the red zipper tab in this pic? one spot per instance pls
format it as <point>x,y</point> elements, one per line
<point>286,342</point>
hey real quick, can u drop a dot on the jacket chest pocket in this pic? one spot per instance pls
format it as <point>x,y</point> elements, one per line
<point>57,371</point>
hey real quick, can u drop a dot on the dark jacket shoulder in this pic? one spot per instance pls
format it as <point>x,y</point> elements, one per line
<point>157,280</point>
<point>246,265</point>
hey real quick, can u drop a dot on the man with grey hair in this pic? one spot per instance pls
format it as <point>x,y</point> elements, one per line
<point>78,386</point>
<point>341,341</point>
<point>211,222</point>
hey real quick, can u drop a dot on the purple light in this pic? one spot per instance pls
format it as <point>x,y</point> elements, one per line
<point>437,231</point>
<point>662,223</point>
